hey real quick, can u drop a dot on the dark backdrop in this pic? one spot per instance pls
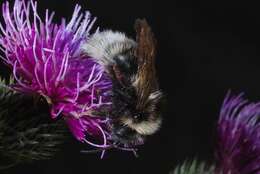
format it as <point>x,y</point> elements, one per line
<point>205,49</point>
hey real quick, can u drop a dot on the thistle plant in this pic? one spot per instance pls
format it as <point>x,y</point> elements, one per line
<point>26,134</point>
<point>193,167</point>
<point>238,136</point>
<point>47,61</point>
<point>238,140</point>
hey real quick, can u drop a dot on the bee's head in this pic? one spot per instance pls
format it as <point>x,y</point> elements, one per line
<point>132,123</point>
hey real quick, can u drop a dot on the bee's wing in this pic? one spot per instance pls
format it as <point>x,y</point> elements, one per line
<point>145,53</point>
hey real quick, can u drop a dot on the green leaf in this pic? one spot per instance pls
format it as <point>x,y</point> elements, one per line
<point>193,167</point>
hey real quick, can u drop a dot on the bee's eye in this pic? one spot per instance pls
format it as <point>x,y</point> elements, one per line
<point>140,116</point>
<point>137,116</point>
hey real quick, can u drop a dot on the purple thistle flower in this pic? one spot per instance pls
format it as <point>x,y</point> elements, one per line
<point>238,150</point>
<point>46,59</point>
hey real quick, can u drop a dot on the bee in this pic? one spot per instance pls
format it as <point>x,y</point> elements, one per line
<point>136,97</point>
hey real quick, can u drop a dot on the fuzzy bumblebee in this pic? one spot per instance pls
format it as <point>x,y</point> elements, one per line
<point>131,66</point>
<point>103,85</point>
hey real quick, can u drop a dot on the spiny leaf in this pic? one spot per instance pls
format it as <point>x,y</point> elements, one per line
<point>193,167</point>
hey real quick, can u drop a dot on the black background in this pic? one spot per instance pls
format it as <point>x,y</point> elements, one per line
<point>205,48</point>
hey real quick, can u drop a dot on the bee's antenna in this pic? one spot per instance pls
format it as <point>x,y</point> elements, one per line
<point>113,146</point>
<point>97,150</point>
<point>129,149</point>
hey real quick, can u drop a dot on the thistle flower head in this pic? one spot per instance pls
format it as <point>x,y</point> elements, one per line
<point>46,59</point>
<point>238,150</point>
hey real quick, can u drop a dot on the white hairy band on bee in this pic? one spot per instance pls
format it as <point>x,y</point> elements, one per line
<point>143,127</point>
<point>103,46</point>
